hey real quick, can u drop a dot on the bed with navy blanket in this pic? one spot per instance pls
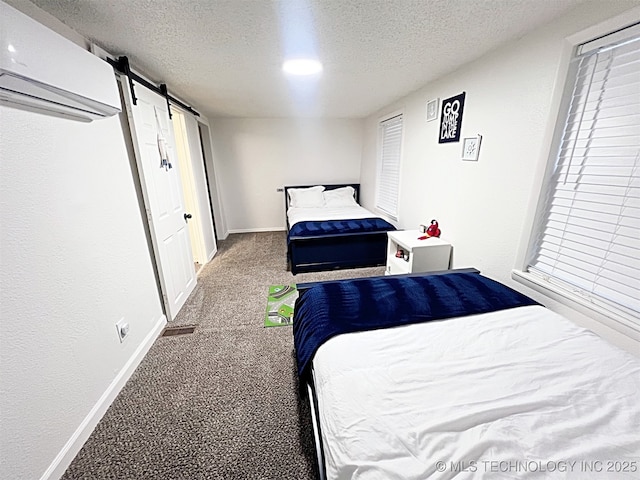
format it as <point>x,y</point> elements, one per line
<point>442,376</point>
<point>335,234</point>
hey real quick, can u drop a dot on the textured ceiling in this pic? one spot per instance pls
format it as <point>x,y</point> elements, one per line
<point>225,56</point>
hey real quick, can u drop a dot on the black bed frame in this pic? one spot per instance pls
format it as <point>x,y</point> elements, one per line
<point>331,252</point>
<point>309,387</point>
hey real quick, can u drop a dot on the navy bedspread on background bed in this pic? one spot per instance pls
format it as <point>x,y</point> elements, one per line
<point>331,227</point>
<point>330,309</point>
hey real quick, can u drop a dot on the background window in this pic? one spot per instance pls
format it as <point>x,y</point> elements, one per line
<point>389,166</point>
<point>587,235</point>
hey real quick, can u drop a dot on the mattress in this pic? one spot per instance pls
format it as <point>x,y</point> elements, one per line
<point>296,215</point>
<point>518,393</point>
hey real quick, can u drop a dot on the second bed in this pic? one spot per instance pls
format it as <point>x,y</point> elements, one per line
<point>327,229</point>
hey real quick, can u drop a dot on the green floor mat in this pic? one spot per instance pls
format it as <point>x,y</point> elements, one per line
<point>280,304</point>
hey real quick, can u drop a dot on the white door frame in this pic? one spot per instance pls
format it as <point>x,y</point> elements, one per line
<point>214,187</point>
<point>189,187</point>
<point>197,182</point>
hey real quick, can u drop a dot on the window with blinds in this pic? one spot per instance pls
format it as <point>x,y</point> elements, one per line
<point>389,166</point>
<point>588,235</point>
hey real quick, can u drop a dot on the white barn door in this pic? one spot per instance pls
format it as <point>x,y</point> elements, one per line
<point>162,192</point>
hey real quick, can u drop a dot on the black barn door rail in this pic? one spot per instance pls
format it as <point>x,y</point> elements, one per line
<point>122,65</point>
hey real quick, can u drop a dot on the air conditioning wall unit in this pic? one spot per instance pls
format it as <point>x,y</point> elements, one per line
<point>42,71</point>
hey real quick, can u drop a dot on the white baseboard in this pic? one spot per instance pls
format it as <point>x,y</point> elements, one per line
<point>258,230</point>
<point>84,430</point>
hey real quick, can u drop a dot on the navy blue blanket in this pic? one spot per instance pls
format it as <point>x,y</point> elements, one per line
<point>330,309</point>
<point>330,227</point>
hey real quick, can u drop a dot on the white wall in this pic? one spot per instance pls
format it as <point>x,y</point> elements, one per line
<point>254,157</point>
<point>483,207</point>
<point>74,260</point>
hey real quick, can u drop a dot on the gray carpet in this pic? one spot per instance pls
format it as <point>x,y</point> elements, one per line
<point>221,403</point>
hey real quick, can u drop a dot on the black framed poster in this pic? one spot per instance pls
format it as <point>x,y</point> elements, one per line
<point>451,118</point>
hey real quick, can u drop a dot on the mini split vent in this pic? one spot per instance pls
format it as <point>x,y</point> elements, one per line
<point>72,83</point>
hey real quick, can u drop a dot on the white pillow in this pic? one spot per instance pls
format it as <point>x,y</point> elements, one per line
<point>306,197</point>
<point>340,197</point>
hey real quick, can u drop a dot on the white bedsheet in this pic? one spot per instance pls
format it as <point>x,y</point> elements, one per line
<point>296,215</point>
<point>521,393</point>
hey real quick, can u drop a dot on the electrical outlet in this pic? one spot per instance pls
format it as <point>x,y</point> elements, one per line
<point>123,329</point>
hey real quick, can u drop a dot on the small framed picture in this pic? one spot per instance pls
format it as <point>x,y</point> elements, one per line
<point>432,109</point>
<point>471,148</point>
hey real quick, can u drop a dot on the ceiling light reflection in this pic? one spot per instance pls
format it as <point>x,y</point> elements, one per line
<point>302,66</point>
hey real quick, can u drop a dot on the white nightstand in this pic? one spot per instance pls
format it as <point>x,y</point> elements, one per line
<point>427,255</point>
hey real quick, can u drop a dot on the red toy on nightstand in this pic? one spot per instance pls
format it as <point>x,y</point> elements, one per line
<point>432,231</point>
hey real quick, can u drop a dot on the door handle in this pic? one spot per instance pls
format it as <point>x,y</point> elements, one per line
<point>187,216</point>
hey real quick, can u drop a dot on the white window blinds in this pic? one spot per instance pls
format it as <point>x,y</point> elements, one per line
<point>389,166</point>
<point>589,234</point>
